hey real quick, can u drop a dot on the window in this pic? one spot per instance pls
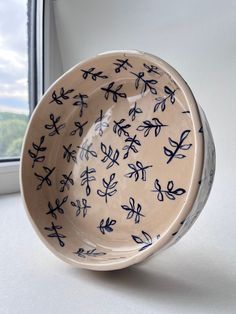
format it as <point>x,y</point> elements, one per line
<point>20,81</point>
<point>14,104</point>
<point>29,63</point>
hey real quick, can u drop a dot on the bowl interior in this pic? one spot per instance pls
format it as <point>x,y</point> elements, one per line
<point>108,159</point>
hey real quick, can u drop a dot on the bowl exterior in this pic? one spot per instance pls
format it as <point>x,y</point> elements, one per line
<point>205,184</point>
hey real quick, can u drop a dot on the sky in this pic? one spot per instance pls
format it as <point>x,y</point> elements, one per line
<point>13,56</point>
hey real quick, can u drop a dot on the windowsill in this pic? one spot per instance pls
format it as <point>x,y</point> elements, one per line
<point>9,166</point>
<point>194,276</point>
<point>9,174</point>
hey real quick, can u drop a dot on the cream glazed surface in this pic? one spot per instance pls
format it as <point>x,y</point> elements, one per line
<point>113,160</point>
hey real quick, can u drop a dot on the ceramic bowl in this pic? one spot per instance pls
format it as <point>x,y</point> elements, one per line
<point>117,162</point>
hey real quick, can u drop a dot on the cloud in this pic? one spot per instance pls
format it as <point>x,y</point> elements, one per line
<point>13,53</point>
<point>13,24</point>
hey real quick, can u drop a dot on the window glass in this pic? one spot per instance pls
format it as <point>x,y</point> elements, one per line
<point>14,107</point>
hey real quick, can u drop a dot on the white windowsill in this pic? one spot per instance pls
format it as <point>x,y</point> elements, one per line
<point>197,275</point>
<point>9,174</point>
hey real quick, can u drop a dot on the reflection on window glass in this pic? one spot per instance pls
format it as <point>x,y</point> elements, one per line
<point>14,108</point>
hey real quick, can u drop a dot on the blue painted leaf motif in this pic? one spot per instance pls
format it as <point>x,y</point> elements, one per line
<point>181,223</point>
<point>147,126</point>
<point>157,187</point>
<point>38,149</point>
<point>101,123</point>
<point>161,102</point>
<point>146,84</point>
<point>137,170</point>
<point>134,111</point>
<point>106,226</point>
<point>58,207</point>
<point>69,153</point>
<point>79,128</point>
<point>86,151</point>
<point>87,178</point>
<point>81,252</point>
<point>120,129</point>
<point>122,65</point>
<point>46,178</point>
<point>109,186</point>
<point>66,182</point>
<point>137,239</point>
<point>55,234</point>
<point>114,91</point>
<point>63,95</point>
<point>151,68</point>
<point>167,152</point>
<point>171,94</point>
<point>178,146</point>
<point>132,211</point>
<point>93,74</point>
<point>172,142</point>
<point>109,155</point>
<point>81,206</point>
<point>133,141</point>
<point>80,102</point>
<point>170,192</point>
<point>54,127</point>
<point>145,239</point>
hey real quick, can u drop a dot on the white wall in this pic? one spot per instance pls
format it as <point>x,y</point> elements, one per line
<point>198,38</point>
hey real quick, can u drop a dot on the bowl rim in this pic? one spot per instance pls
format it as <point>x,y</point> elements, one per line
<point>198,166</point>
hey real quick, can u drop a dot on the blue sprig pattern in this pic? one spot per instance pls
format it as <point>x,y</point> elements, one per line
<point>170,192</point>
<point>81,252</point>
<point>110,187</point>
<point>81,206</point>
<point>177,146</point>
<point>138,171</point>
<point>130,133</point>
<point>53,229</point>
<point>58,209</point>
<point>106,225</point>
<point>145,240</point>
<point>133,211</point>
